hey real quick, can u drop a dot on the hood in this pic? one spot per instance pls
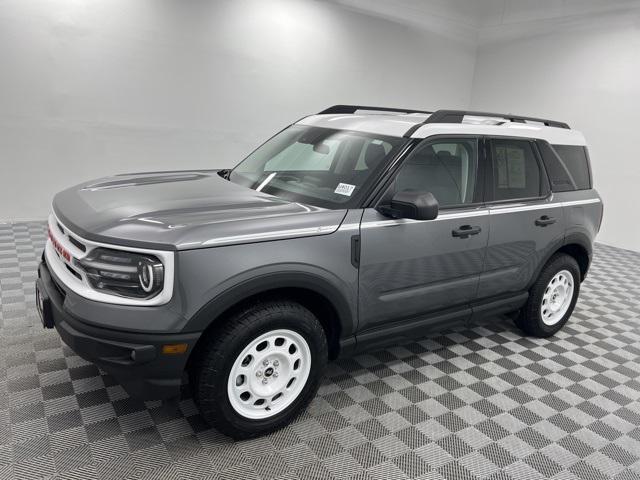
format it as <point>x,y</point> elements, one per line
<point>184,210</point>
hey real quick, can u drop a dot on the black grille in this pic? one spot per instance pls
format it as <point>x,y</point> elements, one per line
<point>77,243</point>
<point>76,274</point>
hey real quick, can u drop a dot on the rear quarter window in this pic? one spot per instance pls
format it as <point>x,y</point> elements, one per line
<point>574,161</point>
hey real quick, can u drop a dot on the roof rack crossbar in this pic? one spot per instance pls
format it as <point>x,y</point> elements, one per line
<point>348,109</point>
<point>456,116</point>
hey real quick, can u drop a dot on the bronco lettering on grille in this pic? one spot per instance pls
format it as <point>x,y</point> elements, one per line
<point>59,248</point>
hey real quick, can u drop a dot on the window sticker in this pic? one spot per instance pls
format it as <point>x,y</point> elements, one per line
<point>510,163</point>
<point>345,189</point>
<point>516,168</point>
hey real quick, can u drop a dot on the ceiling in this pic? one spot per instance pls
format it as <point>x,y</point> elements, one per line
<point>484,21</point>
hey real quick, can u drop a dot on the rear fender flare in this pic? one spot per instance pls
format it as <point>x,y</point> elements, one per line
<point>571,239</point>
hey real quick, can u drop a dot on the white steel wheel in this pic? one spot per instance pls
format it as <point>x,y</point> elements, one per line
<point>557,297</point>
<point>269,374</point>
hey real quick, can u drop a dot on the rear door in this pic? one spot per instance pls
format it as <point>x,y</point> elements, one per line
<point>525,221</point>
<point>410,269</point>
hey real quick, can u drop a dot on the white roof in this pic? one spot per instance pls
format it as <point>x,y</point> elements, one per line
<point>396,125</point>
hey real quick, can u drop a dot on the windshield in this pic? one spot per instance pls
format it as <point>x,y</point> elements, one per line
<point>319,166</point>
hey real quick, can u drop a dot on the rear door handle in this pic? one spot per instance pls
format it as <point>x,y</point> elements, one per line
<point>465,230</point>
<point>545,220</point>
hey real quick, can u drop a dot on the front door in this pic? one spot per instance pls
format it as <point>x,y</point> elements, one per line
<point>412,270</point>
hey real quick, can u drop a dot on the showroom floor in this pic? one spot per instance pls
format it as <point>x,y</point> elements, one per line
<point>480,403</point>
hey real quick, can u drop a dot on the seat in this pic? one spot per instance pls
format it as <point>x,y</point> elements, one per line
<point>373,155</point>
<point>438,173</point>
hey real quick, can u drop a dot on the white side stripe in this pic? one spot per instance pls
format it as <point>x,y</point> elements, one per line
<point>580,202</point>
<point>493,210</point>
<point>444,216</point>
<point>496,210</point>
<point>251,237</point>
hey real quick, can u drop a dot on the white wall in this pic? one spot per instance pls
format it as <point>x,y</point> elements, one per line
<point>588,76</point>
<point>93,87</point>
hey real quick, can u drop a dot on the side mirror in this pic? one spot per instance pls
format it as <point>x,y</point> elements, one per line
<point>414,205</point>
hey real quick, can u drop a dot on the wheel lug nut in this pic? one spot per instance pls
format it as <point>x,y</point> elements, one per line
<point>265,363</point>
<point>276,363</point>
<point>258,373</point>
<point>275,374</point>
<point>264,380</point>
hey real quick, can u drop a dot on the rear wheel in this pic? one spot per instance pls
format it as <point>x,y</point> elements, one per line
<point>261,369</point>
<point>552,298</point>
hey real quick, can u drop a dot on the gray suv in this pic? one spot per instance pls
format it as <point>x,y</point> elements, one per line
<point>351,229</point>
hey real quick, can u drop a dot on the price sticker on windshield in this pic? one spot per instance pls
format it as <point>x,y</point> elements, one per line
<point>345,189</point>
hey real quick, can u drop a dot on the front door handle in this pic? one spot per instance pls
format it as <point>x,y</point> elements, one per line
<point>545,220</point>
<point>465,230</point>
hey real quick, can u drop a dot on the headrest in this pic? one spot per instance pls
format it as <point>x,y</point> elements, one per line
<point>424,157</point>
<point>374,153</point>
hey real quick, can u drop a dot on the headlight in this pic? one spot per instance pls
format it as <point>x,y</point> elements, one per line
<point>127,274</point>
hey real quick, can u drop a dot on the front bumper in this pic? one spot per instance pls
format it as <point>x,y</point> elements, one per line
<point>134,359</point>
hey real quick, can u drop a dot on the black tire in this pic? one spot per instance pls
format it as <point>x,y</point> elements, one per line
<point>211,370</point>
<point>530,316</point>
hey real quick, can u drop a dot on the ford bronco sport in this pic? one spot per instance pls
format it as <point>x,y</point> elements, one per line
<point>351,229</point>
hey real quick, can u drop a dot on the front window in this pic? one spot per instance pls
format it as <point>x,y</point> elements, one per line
<point>446,167</point>
<point>319,166</point>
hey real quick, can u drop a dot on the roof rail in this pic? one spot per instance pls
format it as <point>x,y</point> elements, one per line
<point>347,109</point>
<point>456,116</point>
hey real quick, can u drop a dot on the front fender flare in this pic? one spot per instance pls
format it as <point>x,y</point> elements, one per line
<point>316,283</point>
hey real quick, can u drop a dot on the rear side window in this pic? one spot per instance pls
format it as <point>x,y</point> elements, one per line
<point>576,162</point>
<point>516,172</point>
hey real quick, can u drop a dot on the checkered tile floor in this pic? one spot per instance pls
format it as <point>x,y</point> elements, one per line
<point>479,403</point>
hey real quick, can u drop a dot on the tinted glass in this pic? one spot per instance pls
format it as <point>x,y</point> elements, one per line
<point>516,173</point>
<point>319,166</point>
<point>561,179</point>
<point>446,168</point>
<point>576,162</point>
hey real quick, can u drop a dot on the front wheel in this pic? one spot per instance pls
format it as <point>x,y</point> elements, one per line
<point>260,369</point>
<point>552,297</point>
